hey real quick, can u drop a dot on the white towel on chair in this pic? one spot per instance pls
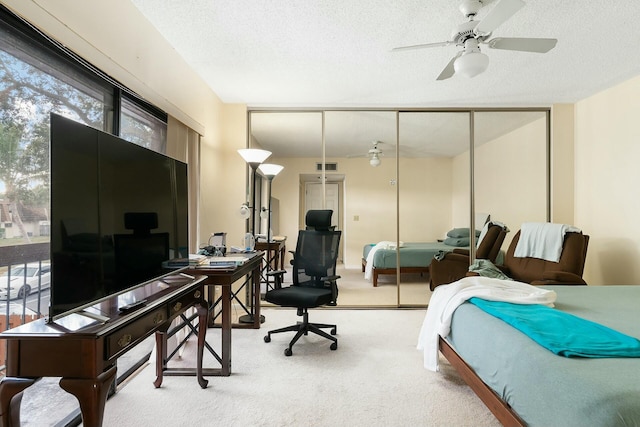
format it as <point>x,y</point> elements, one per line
<point>542,240</point>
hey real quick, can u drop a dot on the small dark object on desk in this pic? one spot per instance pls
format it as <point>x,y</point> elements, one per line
<point>128,308</point>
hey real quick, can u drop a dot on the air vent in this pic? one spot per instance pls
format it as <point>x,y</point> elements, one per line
<point>328,167</point>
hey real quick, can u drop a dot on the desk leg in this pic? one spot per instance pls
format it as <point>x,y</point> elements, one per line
<point>92,395</point>
<point>161,356</point>
<point>203,320</point>
<point>256,298</point>
<point>226,330</point>
<point>11,389</point>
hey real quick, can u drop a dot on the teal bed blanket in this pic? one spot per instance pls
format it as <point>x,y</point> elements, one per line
<point>412,254</point>
<point>562,333</point>
<point>544,388</point>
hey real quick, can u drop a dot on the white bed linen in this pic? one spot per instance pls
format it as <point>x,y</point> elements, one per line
<point>368,269</point>
<point>446,298</point>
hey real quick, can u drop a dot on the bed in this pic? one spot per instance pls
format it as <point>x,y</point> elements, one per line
<point>415,257</point>
<point>522,383</point>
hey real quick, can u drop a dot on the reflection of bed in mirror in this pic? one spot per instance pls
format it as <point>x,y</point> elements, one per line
<point>523,383</point>
<point>415,257</point>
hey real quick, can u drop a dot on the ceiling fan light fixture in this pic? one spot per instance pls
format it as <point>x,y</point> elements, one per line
<point>471,64</point>
<point>375,160</point>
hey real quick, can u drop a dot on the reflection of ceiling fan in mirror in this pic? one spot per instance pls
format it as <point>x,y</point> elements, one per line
<point>470,61</point>
<point>374,153</point>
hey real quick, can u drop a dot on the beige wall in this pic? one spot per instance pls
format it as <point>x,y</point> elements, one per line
<point>509,179</point>
<point>607,207</point>
<point>562,163</point>
<point>510,176</point>
<point>116,38</point>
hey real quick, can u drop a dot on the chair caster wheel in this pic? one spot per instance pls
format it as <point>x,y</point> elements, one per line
<point>334,346</point>
<point>267,338</point>
<point>288,352</point>
<point>334,331</point>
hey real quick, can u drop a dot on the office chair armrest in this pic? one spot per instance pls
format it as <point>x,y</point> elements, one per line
<point>276,272</point>
<point>278,276</point>
<point>333,281</point>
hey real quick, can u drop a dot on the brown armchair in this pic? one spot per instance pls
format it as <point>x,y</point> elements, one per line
<point>567,271</point>
<point>455,265</point>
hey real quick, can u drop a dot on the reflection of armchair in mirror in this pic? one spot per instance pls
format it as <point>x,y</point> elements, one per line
<point>139,256</point>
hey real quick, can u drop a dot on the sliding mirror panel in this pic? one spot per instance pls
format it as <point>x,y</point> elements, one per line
<point>434,193</point>
<point>360,151</point>
<point>295,140</point>
<point>510,167</point>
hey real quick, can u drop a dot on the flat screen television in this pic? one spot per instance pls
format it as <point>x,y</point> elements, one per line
<point>118,211</point>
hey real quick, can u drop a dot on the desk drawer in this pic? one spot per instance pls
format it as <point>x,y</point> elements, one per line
<point>120,340</point>
<point>183,302</point>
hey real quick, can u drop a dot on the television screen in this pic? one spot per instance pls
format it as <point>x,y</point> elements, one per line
<point>118,211</point>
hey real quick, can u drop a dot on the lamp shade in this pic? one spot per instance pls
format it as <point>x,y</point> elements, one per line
<point>471,64</point>
<point>254,155</point>
<point>270,170</point>
<point>375,160</point>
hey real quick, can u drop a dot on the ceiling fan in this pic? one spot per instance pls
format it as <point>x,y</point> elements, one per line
<point>374,153</point>
<point>470,61</point>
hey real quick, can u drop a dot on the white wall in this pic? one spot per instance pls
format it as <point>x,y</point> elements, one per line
<point>607,206</point>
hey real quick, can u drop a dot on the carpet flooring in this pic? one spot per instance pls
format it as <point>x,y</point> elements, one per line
<point>374,378</point>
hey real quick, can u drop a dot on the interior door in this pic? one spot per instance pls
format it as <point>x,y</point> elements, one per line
<point>318,196</point>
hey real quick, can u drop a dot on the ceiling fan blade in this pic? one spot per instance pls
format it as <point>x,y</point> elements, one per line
<point>421,46</point>
<point>449,71</point>
<point>523,44</point>
<point>498,15</point>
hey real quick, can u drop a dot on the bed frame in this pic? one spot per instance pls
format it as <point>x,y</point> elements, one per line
<point>496,405</point>
<point>392,271</point>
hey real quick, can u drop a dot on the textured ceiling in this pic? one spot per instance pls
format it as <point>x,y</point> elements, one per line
<point>338,53</point>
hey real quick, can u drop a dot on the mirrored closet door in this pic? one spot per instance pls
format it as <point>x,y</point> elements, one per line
<point>402,177</point>
<point>510,167</point>
<point>433,185</point>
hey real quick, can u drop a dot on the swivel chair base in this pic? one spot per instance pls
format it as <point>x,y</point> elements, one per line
<point>303,328</point>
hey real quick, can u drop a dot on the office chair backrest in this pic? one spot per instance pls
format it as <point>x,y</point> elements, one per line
<point>315,257</point>
<point>318,219</point>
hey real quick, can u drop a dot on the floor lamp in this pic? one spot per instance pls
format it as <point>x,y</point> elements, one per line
<point>270,171</point>
<point>254,157</point>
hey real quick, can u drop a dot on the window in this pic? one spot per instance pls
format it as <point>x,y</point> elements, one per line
<point>38,76</point>
<point>142,127</point>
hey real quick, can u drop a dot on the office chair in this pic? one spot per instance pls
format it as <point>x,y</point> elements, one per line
<point>314,284</point>
<point>315,219</point>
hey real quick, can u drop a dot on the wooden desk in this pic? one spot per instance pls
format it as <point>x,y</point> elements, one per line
<point>275,252</point>
<point>84,352</point>
<point>250,273</point>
